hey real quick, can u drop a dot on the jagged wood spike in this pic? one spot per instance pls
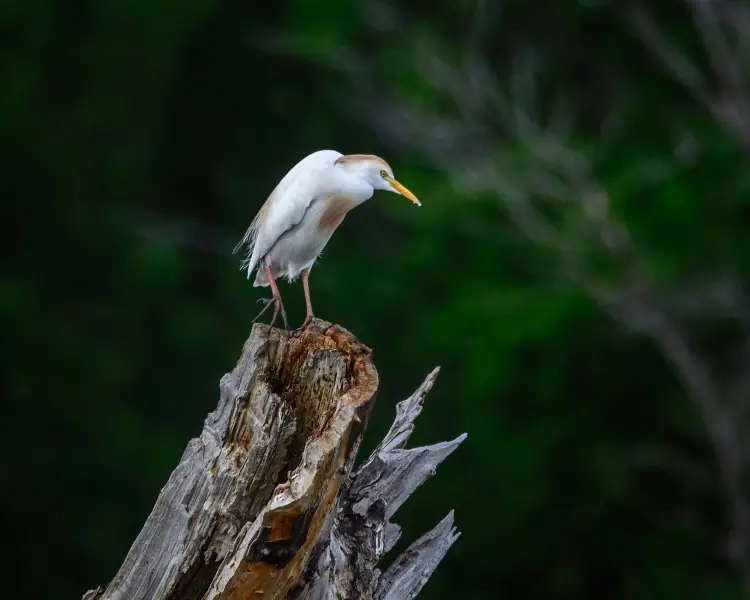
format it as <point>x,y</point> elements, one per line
<point>361,533</point>
<point>407,412</point>
<point>411,570</point>
<point>390,477</point>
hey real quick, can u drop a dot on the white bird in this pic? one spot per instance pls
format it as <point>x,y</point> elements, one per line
<point>293,226</point>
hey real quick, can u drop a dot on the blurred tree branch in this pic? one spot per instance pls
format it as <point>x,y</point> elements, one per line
<point>723,31</point>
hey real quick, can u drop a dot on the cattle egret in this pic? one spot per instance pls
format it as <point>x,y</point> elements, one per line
<point>309,203</point>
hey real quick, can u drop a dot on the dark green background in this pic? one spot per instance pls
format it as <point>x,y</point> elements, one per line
<point>140,137</point>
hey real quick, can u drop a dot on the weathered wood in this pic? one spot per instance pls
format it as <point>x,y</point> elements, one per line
<point>361,532</point>
<point>266,503</point>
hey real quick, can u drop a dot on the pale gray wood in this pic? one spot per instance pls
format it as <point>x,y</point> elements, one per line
<point>411,570</point>
<point>361,533</point>
<point>266,502</point>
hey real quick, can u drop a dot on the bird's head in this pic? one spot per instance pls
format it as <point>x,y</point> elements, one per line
<point>376,172</point>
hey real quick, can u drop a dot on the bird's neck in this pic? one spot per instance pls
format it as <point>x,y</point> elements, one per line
<point>354,187</point>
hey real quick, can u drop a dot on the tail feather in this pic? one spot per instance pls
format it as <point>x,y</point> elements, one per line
<point>248,244</point>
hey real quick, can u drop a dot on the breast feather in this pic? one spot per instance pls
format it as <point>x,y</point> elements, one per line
<point>334,211</point>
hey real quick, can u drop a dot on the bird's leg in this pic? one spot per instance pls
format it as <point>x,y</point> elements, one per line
<point>308,304</point>
<point>275,300</point>
<point>279,306</point>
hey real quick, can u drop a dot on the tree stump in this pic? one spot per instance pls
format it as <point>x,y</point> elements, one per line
<point>266,502</point>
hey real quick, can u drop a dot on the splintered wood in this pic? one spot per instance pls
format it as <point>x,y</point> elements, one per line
<point>266,503</point>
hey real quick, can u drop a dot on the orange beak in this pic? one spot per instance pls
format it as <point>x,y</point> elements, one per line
<point>403,191</point>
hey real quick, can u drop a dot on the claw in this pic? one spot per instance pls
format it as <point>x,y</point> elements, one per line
<point>268,302</point>
<point>276,301</point>
<point>278,308</point>
<point>305,324</point>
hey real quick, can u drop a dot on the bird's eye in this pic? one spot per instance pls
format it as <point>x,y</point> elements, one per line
<point>384,173</point>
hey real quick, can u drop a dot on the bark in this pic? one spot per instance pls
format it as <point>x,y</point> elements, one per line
<point>266,502</point>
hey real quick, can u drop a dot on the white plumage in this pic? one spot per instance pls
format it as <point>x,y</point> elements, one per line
<point>295,223</point>
<point>283,211</point>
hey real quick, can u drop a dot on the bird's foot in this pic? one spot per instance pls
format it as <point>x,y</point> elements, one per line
<point>278,308</point>
<point>305,324</point>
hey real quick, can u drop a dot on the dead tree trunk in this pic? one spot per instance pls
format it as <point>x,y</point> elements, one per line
<point>266,502</point>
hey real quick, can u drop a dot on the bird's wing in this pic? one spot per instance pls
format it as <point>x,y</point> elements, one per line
<point>285,207</point>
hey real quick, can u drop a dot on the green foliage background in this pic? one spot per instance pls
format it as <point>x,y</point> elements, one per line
<point>139,138</point>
